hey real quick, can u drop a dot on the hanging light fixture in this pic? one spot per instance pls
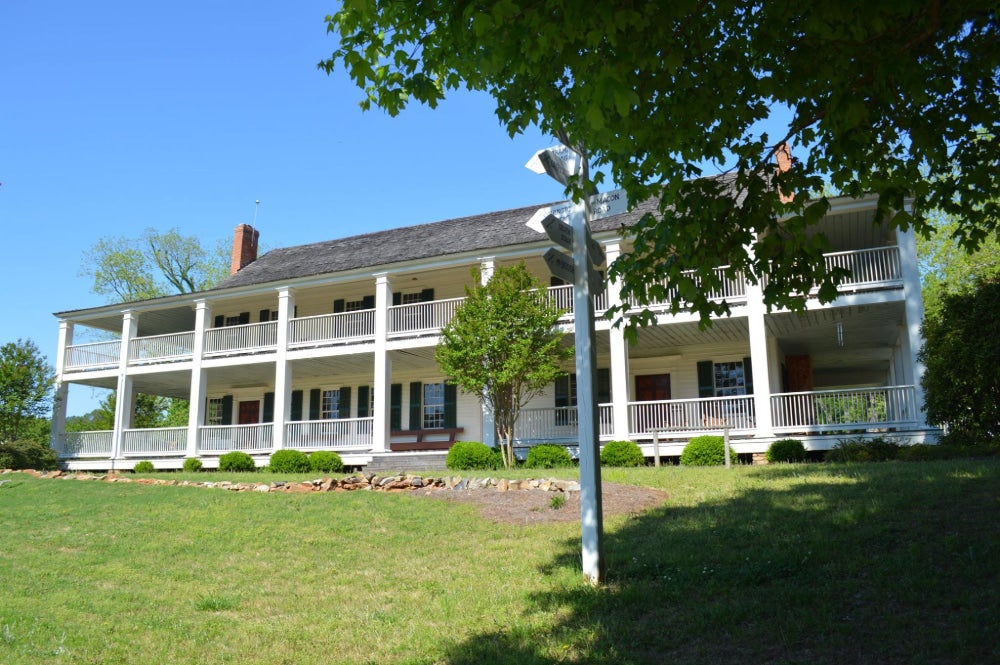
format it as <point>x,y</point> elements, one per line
<point>840,334</point>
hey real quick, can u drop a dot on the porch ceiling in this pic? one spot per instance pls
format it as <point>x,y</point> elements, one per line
<point>680,338</point>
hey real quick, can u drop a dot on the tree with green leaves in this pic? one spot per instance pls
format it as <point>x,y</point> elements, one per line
<point>153,265</point>
<point>946,268</point>
<point>880,98</point>
<point>503,345</point>
<point>25,388</point>
<point>961,354</point>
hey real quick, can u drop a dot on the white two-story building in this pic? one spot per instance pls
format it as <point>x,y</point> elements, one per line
<point>330,346</point>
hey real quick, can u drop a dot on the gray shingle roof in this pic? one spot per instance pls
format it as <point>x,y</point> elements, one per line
<point>493,230</point>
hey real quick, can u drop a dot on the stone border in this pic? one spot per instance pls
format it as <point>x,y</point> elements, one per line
<point>364,482</point>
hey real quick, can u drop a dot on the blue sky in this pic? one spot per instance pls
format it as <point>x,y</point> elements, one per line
<point>118,116</point>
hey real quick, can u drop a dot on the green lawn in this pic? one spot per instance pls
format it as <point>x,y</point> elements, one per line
<point>878,563</point>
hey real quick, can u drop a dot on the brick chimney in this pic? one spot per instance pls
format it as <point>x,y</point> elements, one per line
<point>244,248</point>
<point>783,156</point>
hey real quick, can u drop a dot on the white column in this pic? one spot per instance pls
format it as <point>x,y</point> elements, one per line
<point>912,340</point>
<point>619,356</point>
<point>124,398</point>
<point>759,357</point>
<point>486,268</point>
<point>61,391</point>
<point>282,368</point>
<point>199,379</point>
<point>383,366</point>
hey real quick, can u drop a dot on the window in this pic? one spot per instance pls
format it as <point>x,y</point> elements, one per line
<point>213,415</point>
<point>232,321</point>
<point>330,406</point>
<point>433,405</point>
<point>565,388</point>
<point>411,298</point>
<point>729,379</point>
<point>354,306</point>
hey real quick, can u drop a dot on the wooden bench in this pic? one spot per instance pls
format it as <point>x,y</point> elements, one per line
<point>423,439</point>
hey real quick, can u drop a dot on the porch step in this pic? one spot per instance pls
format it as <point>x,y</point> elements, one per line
<point>431,461</point>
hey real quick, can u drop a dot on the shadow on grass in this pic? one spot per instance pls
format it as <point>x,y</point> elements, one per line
<point>886,563</point>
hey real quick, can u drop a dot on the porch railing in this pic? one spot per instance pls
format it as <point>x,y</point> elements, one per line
<point>160,348</point>
<point>422,317</point>
<point>840,410</point>
<point>562,298</point>
<point>343,326</point>
<point>869,267</point>
<point>226,438</point>
<point>733,290</point>
<point>159,441</point>
<point>86,444</point>
<point>246,338</point>
<point>335,434</point>
<point>691,415</point>
<point>558,424</point>
<point>95,354</point>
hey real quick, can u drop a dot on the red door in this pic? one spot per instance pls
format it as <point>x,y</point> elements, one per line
<point>652,388</point>
<point>249,413</point>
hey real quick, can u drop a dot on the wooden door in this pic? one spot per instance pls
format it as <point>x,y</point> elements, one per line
<point>652,388</point>
<point>249,413</point>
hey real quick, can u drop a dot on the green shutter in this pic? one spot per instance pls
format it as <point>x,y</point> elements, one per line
<point>296,410</point>
<point>220,321</point>
<point>345,402</point>
<point>368,302</point>
<point>748,375</point>
<point>338,305</point>
<point>427,295</point>
<point>268,407</point>
<point>706,379</point>
<point>397,298</point>
<point>244,318</point>
<point>562,391</point>
<point>314,399</point>
<point>227,410</point>
<point>364,396</point>
<point>416,401</point>
<point>265,315</point>
<point>396,406</point>
<point>603,386</point>
<point>450,405</point>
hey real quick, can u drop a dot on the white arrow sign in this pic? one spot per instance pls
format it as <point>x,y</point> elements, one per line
<point>558,162</point>
<point>561,233</point>
<point>603,205</point>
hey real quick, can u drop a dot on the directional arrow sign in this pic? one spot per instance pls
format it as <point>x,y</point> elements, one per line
<point>608,204</point>
<point>558,162</point>
<point>562,211</point>
<point>561,266</point>
<point>561,233</point>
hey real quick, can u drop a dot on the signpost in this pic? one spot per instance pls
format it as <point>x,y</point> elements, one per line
<point>568,225</point>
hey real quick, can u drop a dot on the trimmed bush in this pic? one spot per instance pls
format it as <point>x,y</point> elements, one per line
<point>472,455</point>
<point>289,461</point>
<point>548,456</point>
<point>786,450</point>
<point>238,461</point>
<point>622,453</point>
<point>145,466</point>
<point>192,465</point>
<point>706,450</point>
<point>28,455</point>
<point>326,461</point>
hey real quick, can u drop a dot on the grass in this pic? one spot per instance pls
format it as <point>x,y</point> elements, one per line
<point>878,563</point>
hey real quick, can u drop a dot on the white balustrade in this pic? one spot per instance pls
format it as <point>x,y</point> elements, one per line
<point>868,267</point>
<point>93,355</point>
<point>159,441</point>
<point>248,337</point>
<point>558,424</point>
<point>334,434</point>
<point>709,414</point>
<point>343,326</point>
<point>732,290</point>
<point>422,317</point>
<point>226,438</point>
<point>842,410</point>
<point>161,348</point>
<point>86,444</point>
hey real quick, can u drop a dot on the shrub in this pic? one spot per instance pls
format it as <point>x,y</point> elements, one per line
<point>786,450</point>
<point>326,461</point>
<point>28,455</point>
<point>472,455</point>
<point>878,449</point>
<point>548,456</point>
<point>622,453</point>
<point>706,450</point>
<point>289,461</point>
<point>192,465</point>
<point>237,461</point>
<point>145,466</point>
